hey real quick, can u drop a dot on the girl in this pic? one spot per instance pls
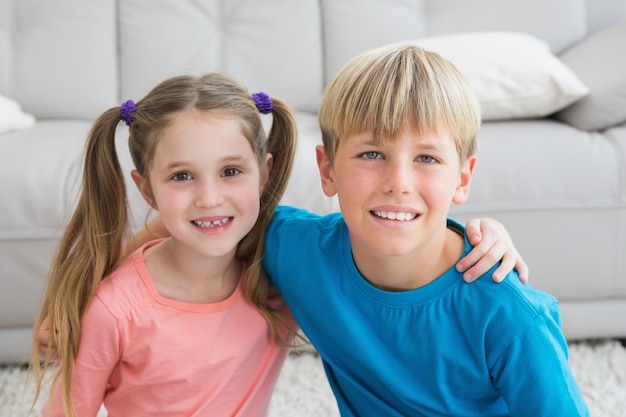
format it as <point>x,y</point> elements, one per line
<point>171,330</point>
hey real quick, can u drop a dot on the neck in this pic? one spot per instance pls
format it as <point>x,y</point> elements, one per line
<point>413,269</point>
<point>183,275</point>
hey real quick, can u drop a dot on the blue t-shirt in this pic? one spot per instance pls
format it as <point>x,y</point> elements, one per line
<point>446,349</point>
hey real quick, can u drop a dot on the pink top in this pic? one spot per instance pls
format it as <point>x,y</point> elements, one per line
<point>143,354</point>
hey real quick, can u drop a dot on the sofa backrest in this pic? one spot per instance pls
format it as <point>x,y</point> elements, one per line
<point>75,58</point>
<point>58,59</point>
<point>269,45</point>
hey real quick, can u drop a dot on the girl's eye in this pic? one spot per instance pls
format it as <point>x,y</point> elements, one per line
<point>426,159</point>
<point>371,155</point>
<point>230,172</point>
<point>182,176</point>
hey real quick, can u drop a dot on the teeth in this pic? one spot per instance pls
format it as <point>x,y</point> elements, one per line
<point>214,223</point>
<point>393,215</point>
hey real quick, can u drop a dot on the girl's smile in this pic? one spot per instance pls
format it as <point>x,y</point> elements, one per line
<point>213,223</point>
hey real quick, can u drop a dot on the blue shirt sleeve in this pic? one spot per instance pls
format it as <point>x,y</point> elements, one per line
<point>533,371</point>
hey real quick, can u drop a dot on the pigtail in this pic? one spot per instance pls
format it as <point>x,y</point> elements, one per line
<point>281,143</point>
<point>89,250</point>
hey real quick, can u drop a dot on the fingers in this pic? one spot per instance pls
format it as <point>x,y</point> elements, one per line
<point>487,249</point>
<point>484,256</point>
<point>473,232</point>
<point>46,350</point>
<point>506,266</point>
<point>492,244</point>
<point>479,260</point>
<point>511,260</point>
<point>522,269</point>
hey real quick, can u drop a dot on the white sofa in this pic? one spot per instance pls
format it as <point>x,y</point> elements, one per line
<point>557,181</point>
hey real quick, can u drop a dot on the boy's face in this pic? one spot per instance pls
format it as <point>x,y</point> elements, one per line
<point>395,196</point>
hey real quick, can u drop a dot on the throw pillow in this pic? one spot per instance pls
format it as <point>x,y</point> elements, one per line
<point>601,66</point>
<point>12,117</point>
<point>514,74</point>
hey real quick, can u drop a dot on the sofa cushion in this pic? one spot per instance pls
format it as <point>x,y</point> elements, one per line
<point>600,63</point>
<point>560,192</point>
<point>514,75</point>
<point>43,189</point>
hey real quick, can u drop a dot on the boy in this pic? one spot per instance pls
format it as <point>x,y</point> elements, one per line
<point>375,289</point>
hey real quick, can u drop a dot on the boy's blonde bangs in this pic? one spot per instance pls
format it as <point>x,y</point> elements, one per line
<point>388,89</point>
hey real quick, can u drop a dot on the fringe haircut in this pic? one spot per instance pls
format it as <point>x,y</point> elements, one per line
<point>388,89</point>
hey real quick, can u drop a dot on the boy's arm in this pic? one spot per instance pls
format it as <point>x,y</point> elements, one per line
<point>153,230</point>
<point>533,374</point>
<point>492,244</point>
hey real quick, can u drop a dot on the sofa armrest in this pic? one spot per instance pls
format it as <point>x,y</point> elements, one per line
<point>599,63</point>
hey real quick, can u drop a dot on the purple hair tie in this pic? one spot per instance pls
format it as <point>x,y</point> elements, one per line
<point>263,102</point>
<point>126,111</point>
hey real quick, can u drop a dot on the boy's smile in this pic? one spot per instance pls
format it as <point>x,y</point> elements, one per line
<point>392,215</point>
<point>395,196</point>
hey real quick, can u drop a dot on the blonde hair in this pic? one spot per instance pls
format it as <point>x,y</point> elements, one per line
<point>388,89</point>
<point>91,247</point>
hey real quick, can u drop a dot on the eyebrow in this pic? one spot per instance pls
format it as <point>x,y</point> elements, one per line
<point>230,159</point>
<point>427,145</point>
<point>234,158</point>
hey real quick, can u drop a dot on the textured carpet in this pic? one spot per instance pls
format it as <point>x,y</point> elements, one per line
<point>302,390</point>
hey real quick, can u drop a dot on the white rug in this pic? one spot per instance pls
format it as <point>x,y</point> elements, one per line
<point>302,390</point>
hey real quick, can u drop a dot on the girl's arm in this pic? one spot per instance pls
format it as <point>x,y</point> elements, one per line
<point>97,356</point>
<point>492,244</point>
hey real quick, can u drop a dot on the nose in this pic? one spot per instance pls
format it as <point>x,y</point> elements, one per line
<point>397,179</point>
<point>209,193</point>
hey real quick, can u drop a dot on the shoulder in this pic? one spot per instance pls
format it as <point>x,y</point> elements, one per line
<point>511,309</point>
<point>125,288</point>
<point>291,219</point>
<point>298,237</point>
<point>511,293</point>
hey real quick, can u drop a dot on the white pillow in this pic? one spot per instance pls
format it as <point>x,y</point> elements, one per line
<point>12,117</point>
<point>514,74</point>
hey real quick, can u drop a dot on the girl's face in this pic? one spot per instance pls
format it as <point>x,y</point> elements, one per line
<point>205,181</point>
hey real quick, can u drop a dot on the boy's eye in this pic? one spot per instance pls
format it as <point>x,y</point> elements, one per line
<point>426,159</point>
<point>230,172</point>
<point>182,176</point>
<point>371,155</point>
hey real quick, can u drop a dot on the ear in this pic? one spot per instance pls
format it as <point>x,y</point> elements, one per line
<point>326,171</point>
<point>265,173</point>
<point>465,178</point>
<point>144,188</point>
